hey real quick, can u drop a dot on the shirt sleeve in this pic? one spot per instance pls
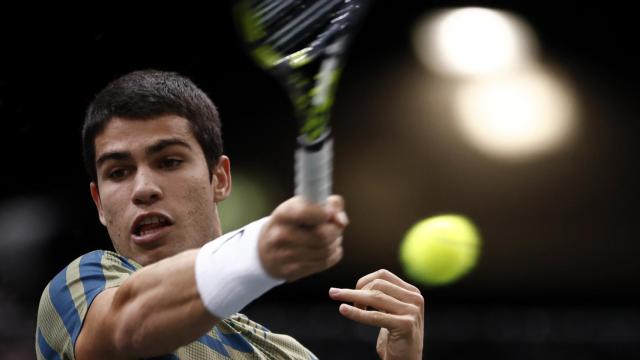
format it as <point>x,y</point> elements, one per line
<point>66,300</point>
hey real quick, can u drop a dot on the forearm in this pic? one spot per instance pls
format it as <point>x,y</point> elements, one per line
<point>159,309</point>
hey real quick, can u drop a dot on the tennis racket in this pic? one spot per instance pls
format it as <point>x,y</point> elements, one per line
<point>303,44</point>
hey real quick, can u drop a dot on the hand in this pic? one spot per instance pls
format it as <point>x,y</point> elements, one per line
<point>384,300</point>
<point>302,238</point>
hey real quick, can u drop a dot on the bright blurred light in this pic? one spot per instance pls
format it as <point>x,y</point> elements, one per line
<point>516,115</point>
<point>27,222</point>
<point>249,201</point>
<point>473,41</point>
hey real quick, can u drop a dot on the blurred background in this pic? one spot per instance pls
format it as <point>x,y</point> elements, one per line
<point>523,118</point>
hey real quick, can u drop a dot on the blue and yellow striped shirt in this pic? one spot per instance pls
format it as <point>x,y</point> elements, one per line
<point>66,299</point>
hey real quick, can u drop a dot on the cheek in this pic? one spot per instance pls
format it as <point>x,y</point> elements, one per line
<point>117,228</point>
<point>201,211</point>
<point>201,197</point>
<point>113,209</point>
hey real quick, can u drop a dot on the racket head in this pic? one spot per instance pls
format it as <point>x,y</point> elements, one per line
<point>302,43</point>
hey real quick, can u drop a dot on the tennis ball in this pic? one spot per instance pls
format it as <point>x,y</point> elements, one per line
<point>440,249</point>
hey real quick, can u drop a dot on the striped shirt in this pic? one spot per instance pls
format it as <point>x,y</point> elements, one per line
<point>66,299</point>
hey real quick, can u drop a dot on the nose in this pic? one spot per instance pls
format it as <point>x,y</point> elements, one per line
<point>146,190</point>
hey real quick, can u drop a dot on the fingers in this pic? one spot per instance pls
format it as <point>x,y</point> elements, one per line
<point>381,279</point>
<point>299,211</point>
<point>310,237</point>
<point>377,299</point>
<point>397,292</point>
<point>404,323</point>
<point>320,263</point>
<point>385,275</point>
<point>394,300</point>
<point>335,204</point>
<point>302,238</point>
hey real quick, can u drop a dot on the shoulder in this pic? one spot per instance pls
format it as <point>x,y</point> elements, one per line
<point>87,275</point>
<point>67,297</point>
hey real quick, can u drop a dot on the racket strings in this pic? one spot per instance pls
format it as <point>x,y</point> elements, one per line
<point>273,11</point>
<point>303,28</point>
<point>292,25</point>
<point>301,42</point>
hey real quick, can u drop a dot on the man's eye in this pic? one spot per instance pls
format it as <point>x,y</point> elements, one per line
<point>169,163</point>
<point>117,174</point>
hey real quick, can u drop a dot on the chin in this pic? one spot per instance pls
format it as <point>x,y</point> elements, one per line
<point>147,257</point>
<point>157,255</point>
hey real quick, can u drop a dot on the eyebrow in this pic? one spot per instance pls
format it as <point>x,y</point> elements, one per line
<point>152,149</point>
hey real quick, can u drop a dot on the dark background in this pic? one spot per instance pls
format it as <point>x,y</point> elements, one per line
<point>558,274</point>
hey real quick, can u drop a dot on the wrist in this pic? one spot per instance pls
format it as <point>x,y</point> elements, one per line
<point>229,273</point>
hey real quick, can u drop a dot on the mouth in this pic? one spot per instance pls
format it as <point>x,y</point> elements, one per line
<point>148,227</point>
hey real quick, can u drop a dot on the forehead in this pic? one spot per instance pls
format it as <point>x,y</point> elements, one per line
<point>128,135</point>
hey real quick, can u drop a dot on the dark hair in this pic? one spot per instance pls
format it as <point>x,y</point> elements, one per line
<point>142,95</point>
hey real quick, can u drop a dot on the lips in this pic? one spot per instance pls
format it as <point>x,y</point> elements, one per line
<point>148,227</point>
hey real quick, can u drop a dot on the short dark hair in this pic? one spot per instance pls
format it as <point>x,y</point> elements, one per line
<point>142,95</point>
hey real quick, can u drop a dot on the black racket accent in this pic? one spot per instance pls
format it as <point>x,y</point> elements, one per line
<point>303,43</point>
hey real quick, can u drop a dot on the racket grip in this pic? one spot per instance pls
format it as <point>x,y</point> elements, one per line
<point>313,171</point>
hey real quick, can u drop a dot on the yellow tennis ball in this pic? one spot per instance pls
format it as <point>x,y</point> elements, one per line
<point>440,249</point>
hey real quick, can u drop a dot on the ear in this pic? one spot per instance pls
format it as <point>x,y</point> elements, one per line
<point>221,179</point>
<point>95,195</point>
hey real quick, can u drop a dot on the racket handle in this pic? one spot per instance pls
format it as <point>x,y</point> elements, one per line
<point>314,169</point>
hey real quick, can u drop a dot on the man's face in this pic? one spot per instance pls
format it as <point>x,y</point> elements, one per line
<point>154,192</point>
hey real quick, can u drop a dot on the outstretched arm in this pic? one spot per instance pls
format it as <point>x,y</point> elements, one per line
<point>160,308</point>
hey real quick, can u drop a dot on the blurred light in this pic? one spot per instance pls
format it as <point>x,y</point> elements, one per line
<point>27,222</point>
<point>516,115</point>
<point>27,225</point>
<point>249,201</point>
<point>473,41</point>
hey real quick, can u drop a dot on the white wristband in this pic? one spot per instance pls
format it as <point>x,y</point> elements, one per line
<point>229,273</point>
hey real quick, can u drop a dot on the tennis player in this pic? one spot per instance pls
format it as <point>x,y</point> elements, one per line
<point>174,286</point>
